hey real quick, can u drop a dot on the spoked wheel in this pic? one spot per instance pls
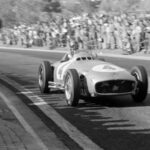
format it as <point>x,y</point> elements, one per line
<point>45,74</point>
<point>140,74</point>
<point>68,87</point>
<point>72,87</point>
<point>41,76</point>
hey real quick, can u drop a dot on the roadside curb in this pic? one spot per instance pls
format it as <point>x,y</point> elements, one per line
<point>82,140</point>
<point>26,129</point>
<point>125,56</point>
<point>62,51</point>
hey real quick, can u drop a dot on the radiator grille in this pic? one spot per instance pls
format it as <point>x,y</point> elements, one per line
<point>115,86</point>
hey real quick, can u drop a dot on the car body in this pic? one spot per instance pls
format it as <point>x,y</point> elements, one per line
<point>96,77</point>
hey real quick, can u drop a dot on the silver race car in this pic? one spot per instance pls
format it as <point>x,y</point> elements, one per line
<point>84,75</point>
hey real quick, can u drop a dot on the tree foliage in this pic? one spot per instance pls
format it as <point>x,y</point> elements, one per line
<point>13,12</point>
<point>7,14</point>
<point>30,11</point>
<point>120,5</point>
<point>52,6</point>
<point>79,6</point>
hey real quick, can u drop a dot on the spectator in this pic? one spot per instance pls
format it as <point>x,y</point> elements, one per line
<point>98,31</point>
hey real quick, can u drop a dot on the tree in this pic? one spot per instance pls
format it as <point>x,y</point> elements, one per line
<point>13,12</point>
<point>52,6</point>
<point>91,6</point>
<point>71,7</point>
<point>133,4</point>
<point>120,5</point>
<point>7,14</point>
<point>28,11</point>
<point>145,5</point>
<point>95,3</point>
<point>80,6</point>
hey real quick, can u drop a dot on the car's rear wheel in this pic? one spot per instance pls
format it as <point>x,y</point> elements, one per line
<point>139,72</point>
<point>72,87</point>
<point>45,74</point>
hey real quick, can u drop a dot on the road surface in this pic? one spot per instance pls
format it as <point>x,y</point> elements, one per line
<point>109,123</point>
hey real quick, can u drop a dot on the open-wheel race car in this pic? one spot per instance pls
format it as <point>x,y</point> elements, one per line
<point>84,75</point>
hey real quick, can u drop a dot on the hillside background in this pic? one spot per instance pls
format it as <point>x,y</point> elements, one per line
<point>14,12</point>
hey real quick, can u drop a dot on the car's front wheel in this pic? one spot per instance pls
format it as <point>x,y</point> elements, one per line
<point>45,74</point>
<point>139,72</point>
<point>72,87</point>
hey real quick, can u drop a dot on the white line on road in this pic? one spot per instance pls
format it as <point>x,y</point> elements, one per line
<point>26,126</point>
<point>81,139</point>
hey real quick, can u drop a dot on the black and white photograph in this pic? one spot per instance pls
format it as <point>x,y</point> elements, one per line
<point>74,74</point>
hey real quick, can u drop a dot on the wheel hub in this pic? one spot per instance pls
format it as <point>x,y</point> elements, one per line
<point>41,77</point>
<point>138,79</point>
<point>68,88</point>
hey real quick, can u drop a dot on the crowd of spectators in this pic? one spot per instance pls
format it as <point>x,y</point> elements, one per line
<point>129,32</point>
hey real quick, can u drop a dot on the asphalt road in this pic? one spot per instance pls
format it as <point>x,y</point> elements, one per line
<point>115,123</point>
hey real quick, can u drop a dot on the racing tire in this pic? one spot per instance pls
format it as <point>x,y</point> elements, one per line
<point>45,74</point>
<point>72,87</point>
<point>139,72</point>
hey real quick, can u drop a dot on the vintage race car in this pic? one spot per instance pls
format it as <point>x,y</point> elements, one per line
<point>84,75</point>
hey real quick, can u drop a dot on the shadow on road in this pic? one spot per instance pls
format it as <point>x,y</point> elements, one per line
<point>116,101</point>
<point>114,123</point>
